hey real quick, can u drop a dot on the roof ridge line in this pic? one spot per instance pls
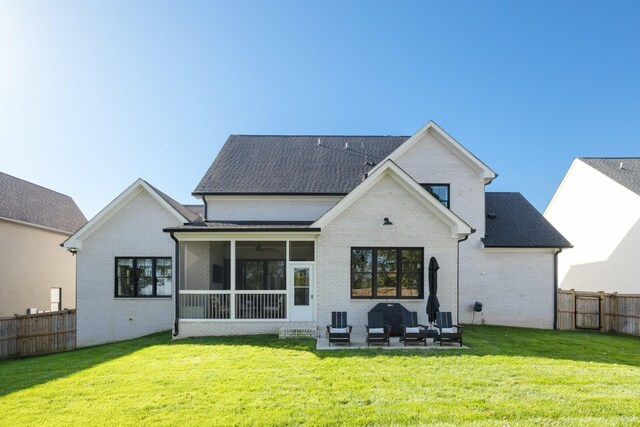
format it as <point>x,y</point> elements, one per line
<point>320,136</point>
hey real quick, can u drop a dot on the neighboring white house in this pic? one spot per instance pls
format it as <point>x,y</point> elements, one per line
<point>35,272</point>
<point>597,207</point>
<point>295,227</point>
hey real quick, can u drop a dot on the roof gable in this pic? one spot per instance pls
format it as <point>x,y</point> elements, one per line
<point>32,204</point>
<point>485,173</point>
<point>458,227</point>
<point>512,222</point>
<point>180,212</point>
<point>623,170</point>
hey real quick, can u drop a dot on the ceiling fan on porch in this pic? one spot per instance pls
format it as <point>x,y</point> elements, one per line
<point>260,248</point>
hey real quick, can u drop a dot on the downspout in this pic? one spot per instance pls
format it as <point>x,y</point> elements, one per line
<point>177,284</point>
<point>473,230</point>
<point>555,288</point>
<point>206,208</point>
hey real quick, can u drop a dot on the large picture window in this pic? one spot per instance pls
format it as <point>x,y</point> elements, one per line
<point>143,277</point>
<point>387,273</point>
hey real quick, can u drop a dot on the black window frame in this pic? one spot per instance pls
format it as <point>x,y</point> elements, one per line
<point>134,278</point>
<point>429,187</point>
<point>374,272</point>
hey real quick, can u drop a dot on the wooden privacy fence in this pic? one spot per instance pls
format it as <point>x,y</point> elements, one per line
<point>606,312</point>
<point>33,334</point>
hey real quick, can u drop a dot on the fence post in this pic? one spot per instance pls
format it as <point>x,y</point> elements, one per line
<point>575,308</point>
<point>613,306</point>
<point>601,310</point>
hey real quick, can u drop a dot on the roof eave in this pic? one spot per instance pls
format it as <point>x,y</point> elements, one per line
<point>314,230</point>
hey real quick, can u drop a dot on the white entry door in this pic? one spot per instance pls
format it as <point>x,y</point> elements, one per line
<point>301,294</point>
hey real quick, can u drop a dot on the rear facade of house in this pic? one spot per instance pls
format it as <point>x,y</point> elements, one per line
<point>292,228</point>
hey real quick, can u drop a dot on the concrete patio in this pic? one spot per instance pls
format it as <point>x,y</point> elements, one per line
<point>359,342</point>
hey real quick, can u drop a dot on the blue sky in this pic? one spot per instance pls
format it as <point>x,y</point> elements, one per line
<point>96,94</point>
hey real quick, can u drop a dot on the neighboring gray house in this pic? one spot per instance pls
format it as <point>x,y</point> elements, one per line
<point>294,227</point>
<point>597,206</point>
<point>35,272</point>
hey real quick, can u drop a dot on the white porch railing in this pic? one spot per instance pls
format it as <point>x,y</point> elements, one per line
<point>239,305</point>
<point>204,305</point>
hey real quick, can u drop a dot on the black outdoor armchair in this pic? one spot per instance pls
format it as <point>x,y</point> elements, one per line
<point>447,330</point>
<point>377,331</point>
<point>412,331</point>
<point>339,330</point>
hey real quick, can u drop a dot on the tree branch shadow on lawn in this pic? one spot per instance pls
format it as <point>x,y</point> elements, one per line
<point>579,346</point>
<point>23,373</point>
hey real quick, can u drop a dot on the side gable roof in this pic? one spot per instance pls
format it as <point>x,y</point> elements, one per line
<point>512,222</point>
<point>180,212</point>
<point>187,213</point>
<point>623,170</point>
<point>459,228</point>
<point>485,173</point>
<point>30,203</point>
<point>294,164</point>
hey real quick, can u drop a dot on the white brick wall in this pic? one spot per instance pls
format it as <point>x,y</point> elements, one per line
<point>136,230</point>
<point>269,208</point>
<point>197,269</point>
<point>361,225</point>
<point>189,328</point>
<point>515,287</point>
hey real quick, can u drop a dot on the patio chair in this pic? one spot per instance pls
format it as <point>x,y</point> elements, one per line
<point>377,331</point>
<point>412,331</point>
<point>447,330</point>
<point>339,330</point>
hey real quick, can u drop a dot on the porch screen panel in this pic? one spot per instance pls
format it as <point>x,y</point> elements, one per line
<point>260,265</point>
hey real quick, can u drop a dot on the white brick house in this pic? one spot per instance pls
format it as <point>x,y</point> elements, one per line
<point>597,206</point>
<point>295,227</point>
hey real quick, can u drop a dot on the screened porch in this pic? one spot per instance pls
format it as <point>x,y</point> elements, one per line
<point>246,280</point>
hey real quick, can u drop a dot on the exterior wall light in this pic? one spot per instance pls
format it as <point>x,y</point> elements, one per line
<point>387,222</point>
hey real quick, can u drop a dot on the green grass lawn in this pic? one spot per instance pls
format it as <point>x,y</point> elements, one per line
<point>509,376</point>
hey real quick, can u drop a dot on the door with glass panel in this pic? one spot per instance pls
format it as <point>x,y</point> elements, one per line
<point>301,280</point>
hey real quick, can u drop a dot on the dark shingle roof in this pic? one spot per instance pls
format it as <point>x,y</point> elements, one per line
<point>23,201</point>
<point>197,209</point>
<point>513,222</point>
<point>628,176</point>
<point>294,164</point>
<point>189,214</point>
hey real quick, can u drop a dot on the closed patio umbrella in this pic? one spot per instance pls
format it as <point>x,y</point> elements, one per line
<point>433,305</point>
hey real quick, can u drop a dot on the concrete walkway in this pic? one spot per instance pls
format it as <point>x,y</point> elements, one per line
<point>359,342</point>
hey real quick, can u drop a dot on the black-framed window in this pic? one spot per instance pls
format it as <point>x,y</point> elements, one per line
<point>439,191</point>
<point>143,277</point>
<point>387,273</point>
